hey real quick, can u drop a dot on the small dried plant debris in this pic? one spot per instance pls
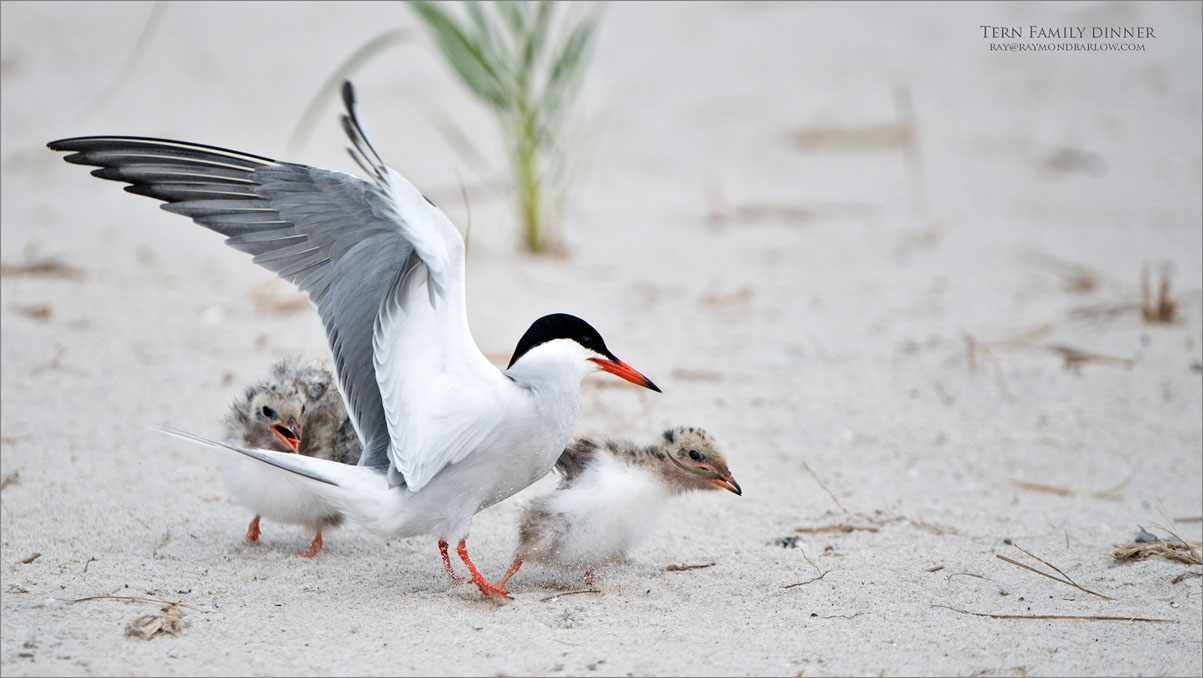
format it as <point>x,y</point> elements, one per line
<point>1078,279</point>
<point>846,138</point>
<point>683,567</point>
<point>1074,358</point>
<point>1178,551</point>
<point>788,541</point>
<point>270,301</point>
<point>1064,578</point>
<point>821,571</point>
<point>808,581</point>
<point>36,312</point>
<point>568,593</point>
<point>1186,575</point>
<point>836,528</point>
<point>1058,616</point>
<point>1112,493</point>
<point>824,486</point>
<point>1070,160</point>
<point>169,621</point>
<point>1161,309</point>
<point>10,479</point>
<point>30,559</point>
<point>738,297</point>
<point>41,268</point>
<point>696,375</point>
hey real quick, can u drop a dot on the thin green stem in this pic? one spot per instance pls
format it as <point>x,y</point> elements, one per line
<point>528,185</point>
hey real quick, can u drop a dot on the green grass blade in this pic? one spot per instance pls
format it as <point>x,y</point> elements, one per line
<point>465,54</point>
<point>567,69</point>
<point>515,16</point>
<point>536,37</point>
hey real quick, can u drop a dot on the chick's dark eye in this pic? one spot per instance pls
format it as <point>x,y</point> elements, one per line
<point>269,412</point>
<point>695,455</point>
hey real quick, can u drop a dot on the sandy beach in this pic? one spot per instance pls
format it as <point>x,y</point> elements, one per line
<point>893,268</point>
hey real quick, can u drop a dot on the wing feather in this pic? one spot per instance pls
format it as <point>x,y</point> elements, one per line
<point>381,263</point>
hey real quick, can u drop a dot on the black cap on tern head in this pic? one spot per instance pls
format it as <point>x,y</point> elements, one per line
<point>564,326</point>
<point>560,326</point>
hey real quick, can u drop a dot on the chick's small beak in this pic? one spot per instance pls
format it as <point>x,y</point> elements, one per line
<point>620,369</point>
<point>727,482</point>
<point>290,434</point>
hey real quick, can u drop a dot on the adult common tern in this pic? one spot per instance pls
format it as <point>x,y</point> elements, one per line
<point>445,433</point>
<point>611,496</point>
<point>296,408</point>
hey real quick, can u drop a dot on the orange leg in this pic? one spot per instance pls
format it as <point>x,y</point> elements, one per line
<point>252,530</point>
<point>313,547</point>
<point>510,572</point>
<point>455,578</point>
<point>484,586</point>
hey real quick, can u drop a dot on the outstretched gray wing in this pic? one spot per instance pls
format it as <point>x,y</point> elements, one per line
<point>336,237</point>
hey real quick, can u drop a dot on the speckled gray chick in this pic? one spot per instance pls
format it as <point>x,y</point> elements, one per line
<point>611,495</point>
<point>296,408</point>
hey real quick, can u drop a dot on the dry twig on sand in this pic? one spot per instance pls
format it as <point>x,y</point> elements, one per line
<point>1109,493</point>
<point>137,599</point>
<point>824,486</point>
<point>568,593</point>
<point>1075,358</point>
<point>822,573</point>
<point>1064,578</point>
<point>683,567</point>
<point>808,581</point>
<point>1058,616</point>
<point>836,528</point>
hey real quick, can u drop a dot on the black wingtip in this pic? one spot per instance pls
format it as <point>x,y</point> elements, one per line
<point>348,94</point>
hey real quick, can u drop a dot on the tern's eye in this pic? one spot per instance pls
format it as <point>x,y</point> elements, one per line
<point>269,412</point>
<point>695,455</point>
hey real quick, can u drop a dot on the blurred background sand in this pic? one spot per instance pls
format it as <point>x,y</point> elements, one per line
<point>896,274</point>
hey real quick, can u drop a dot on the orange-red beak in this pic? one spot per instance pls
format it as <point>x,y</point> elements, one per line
<point>291,434</point>
<point>620,369</point>
<point>727,482</point>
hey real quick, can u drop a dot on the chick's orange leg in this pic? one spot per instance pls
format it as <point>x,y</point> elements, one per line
<point>314,547</point>
<point>484,586</point>
<point>252,530</point>
<point>455,578</point>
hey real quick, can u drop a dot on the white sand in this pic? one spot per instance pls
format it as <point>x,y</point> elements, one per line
<point>836,341</point>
